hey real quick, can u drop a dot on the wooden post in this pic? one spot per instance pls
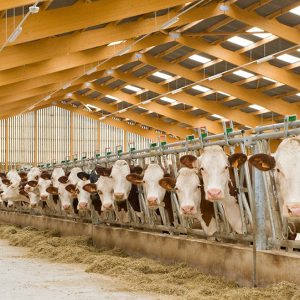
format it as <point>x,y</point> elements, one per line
<point>6,145</point>
<point>125,141</point>
<point>35,139</point>
<point>71,134</point>
<point>99,136</point>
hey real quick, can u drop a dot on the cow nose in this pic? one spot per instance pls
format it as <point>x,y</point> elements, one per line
<point>119,196</point>
<point>107,206</point>
<point>214,194</point>
<point>82,205</point>
<point>27,189</point>
<point>33,205</point>
<point>293,210</point>
<point>188,209</point>
<point>44,197</point>
<point>152,201</point>
<point>66,206</point>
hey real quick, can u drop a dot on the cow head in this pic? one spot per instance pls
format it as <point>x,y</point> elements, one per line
<point>286,164</point>
<point>187,188</point>
<point>154,193</point>
<point>214,167</point>
<point>43,183</point>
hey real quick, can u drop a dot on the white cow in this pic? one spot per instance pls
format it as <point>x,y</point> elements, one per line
<point>286,162</point>
<point>31,186</point>
<point>214,166</point>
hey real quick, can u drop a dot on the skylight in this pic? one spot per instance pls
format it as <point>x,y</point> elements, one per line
<point>115,43</point>
<point>199,58</point>
<point>240,41</point>
<point>243,74</point>
<point>162,75</point>
<point>269,79</point>
<point>201,88</point>
<point>288,58</point>
<point>167,99</point>
<point>262,35</point>
<point>132,88</point>
<point>225,94</point>
<point>217,116</point>
<point>111,97</point>
<point>296,10</point>
<point>93,106</point>
<point>256,107</point>
<point>298,94</point>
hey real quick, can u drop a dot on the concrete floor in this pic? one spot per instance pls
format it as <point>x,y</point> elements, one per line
<point>35,279</point>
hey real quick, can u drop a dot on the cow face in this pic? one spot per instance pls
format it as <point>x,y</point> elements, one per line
<point>121,186</point>
<point>154,193</point>
<point>187,188</point>
<point>286,163</point>
<point>104,188</point>
<point>43,184</point>
<point>214,167</point>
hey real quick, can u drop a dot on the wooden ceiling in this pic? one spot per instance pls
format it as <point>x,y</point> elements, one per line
<point>58,45</point>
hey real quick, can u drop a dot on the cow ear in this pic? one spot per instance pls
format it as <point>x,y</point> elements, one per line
<point>83,176</point>
<point>90,188</point>
<point>6,181</point>
<point>188,161</point>
<point>23,175</point>
<point>32,183</point>
<point>63,179</point>
<point>52,190</point>
<point>2,175</point>
<point>136,169</point>
<point>236,160</point>
<point>168,183</point>
<point>46,176</point>
<point>263,162</point>
<point>103,171</point>
<point>135,178</point>
<point>23,193</point>
<point>71,188</point>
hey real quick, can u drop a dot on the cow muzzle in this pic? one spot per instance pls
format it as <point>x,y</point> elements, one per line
<point>152,201</point>
<point>82,206</point>
<point>33,205</point>
<point>66,206</point>
<point>214,194</point>
<point>188,210</point>
<point>44,197</point>
<point>293,210</point>
<point>119,196</point>
<point>107,207</point>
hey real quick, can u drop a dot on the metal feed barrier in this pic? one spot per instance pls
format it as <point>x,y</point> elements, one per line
<point>262,219</point>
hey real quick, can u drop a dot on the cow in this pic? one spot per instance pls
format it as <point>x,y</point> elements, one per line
<point>286,164</point>
<point>155,195</point>
<point>31,186</point>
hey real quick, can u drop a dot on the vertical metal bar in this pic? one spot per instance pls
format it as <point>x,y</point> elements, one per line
<point>6,145</point>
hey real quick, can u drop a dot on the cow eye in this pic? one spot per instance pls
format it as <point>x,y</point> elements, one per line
<point>278,170</point>
<point>144,181</point>
<point>99,192</point>
<point>201,169</point>
<point>199,187</point>
<point>226,167</point>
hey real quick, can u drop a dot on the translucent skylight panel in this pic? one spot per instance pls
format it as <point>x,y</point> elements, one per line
<point>111,97</point>
<point>115,43</point>
<point>201,88</point>
<point>262,35</point>
<point>256,107</point>
<point>288,58</point>
<point>132,88</point>
<point>225,94</point>
<point>217,116</point>
<point>167,99</point>
<point>269,79</point>
<point>240,41</point>
<point>162,75</point>
<point>296,10</point>
<point>199,58</point>
<point>298,94</point>
<point>243,74</point>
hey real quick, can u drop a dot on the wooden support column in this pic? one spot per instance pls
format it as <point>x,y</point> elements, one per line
<point>35,139</point>
<point>71,135</point>
<point>6,145</point>
<point>99,136</point>
<point>125,141</point>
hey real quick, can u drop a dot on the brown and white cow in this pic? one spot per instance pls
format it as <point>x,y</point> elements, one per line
<point>286,163</point>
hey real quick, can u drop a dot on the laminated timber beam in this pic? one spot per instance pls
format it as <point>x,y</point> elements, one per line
<point>40,50</point>
<point>249,95</point>
<point>212,107</point>
<point>8,4</point>
<point>165,110</point>
<point>265,69</point>
<point>81,15</point>
<point>273,26</point>
<point>148,121</point>
<point>150,134</point>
